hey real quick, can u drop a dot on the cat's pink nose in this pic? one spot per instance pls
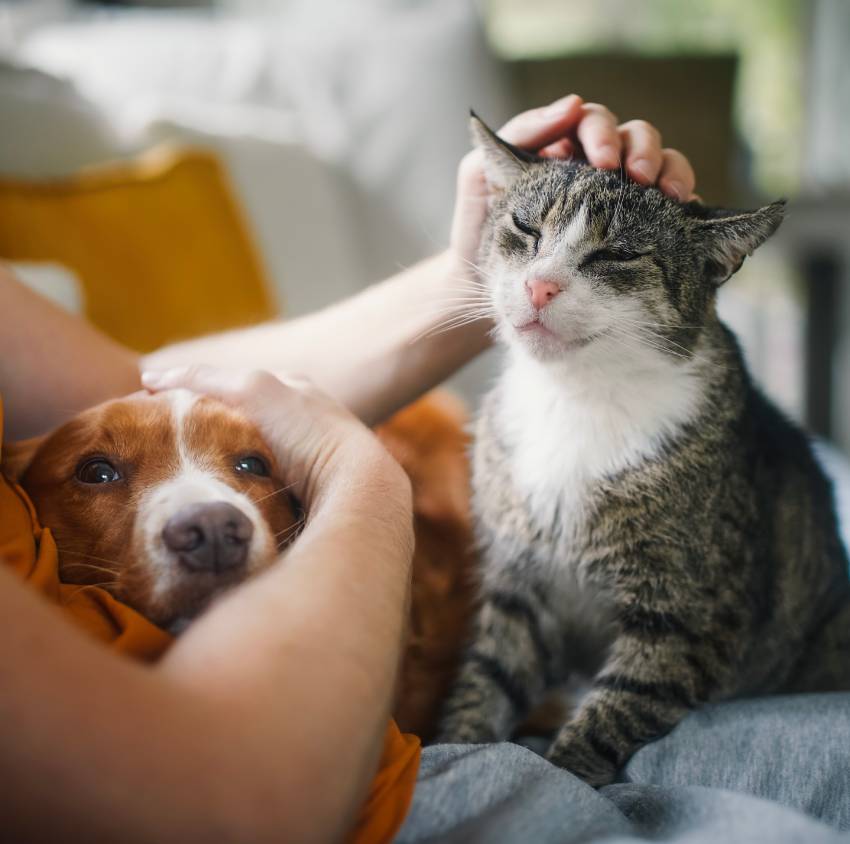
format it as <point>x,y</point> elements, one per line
<point>541,292</point>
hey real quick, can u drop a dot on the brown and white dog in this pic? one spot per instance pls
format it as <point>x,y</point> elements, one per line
<point>166,500</point>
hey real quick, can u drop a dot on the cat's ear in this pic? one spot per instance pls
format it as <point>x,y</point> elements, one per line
<point>727,237</point>
<point>503,162</point>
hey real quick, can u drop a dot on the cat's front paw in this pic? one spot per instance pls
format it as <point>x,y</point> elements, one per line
<point>585,764</point>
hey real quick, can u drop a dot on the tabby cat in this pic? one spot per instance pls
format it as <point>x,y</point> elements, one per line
<point>646,516</point>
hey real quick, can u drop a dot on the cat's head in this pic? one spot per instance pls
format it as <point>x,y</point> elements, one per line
<point>581,262</point>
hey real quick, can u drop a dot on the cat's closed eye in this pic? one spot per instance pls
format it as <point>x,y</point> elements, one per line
<point>612,255</point>
<point>526,228</point>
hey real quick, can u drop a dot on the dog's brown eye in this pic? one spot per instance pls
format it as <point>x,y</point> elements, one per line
<point>98,472</point>
<point>253,465</point>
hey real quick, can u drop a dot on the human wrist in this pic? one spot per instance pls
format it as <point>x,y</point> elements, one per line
<point>459,267</point>
<point>362,481</point>
<point>461,281</point>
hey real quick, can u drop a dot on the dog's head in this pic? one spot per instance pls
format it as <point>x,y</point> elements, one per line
<point>163,500</point>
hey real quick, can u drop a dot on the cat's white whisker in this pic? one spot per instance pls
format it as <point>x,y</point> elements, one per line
<point>469,280</point>
<point>460,306</point>
<point>456,321</point>
<point>458,284</point>
<point>642,328</point>
<point>476,267</point>
<point>461,297</point>
<point>650,344</point>
<point>460,316</point>
<point>621,193</point>
<point>456,308</point>
<point>638,340</point>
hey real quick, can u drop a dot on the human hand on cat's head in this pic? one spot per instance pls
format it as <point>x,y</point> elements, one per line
<point>567,127</point>
<point>320,442</point>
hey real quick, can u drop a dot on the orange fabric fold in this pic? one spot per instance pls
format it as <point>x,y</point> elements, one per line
<point>29,550</point>
<point>392,789</point>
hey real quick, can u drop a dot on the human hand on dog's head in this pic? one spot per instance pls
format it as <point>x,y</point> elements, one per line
<point>321,442</point>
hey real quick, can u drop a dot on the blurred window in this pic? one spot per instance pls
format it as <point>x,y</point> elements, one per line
<point>767,35</point>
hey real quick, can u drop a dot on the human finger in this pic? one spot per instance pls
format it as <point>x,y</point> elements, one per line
<point>677,177</point>
<point>597,132</point>
<point>540,127</point>
<point>227,385</point>
<point>562,148</point>
<point>641,151</point>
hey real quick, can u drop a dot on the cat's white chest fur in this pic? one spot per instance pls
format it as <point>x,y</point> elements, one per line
<point>572,425</point>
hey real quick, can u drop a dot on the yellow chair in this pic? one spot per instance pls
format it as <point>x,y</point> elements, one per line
<point>158,243</point>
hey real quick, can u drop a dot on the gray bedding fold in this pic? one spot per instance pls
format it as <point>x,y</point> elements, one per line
<point>768,770</point>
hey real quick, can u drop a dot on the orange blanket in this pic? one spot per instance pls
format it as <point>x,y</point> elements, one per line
<point>30,551</point>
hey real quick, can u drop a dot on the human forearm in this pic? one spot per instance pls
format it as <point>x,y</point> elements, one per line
<point>374,352</point>
<point>305,657</point>
<point>326,623</point>
<point>52,365</point>
<point>264,723</point>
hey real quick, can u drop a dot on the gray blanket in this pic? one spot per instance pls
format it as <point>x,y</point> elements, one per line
<point>770,770</point>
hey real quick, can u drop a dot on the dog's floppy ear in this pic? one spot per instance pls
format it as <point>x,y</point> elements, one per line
<point>17,456</point>
<point>503,162</point>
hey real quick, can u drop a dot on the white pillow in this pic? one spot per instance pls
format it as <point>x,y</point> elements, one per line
<point>18,19</point>
<point>48,128</point>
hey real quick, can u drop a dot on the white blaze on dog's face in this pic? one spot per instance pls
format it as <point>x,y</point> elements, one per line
<point>163,500</point>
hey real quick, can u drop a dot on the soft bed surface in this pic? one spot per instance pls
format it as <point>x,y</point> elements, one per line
<point>773,770</point>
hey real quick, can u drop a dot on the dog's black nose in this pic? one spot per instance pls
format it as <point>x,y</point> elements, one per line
<point>209,537</point>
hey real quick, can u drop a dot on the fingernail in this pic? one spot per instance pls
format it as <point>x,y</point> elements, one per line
<point>150,378</point>
<point>559,107</point>
<point>675,189</point>
<point>642,169</point>
<point>607,156</point>
<point>158,377</point>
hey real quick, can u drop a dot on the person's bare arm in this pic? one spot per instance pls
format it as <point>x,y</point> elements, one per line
<point>374,352</point>
<point>52,364</point>
<point>265,720</point>
<point>381,349</point>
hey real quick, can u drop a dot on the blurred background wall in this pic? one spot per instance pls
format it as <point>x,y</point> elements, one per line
<point>340,125</point>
